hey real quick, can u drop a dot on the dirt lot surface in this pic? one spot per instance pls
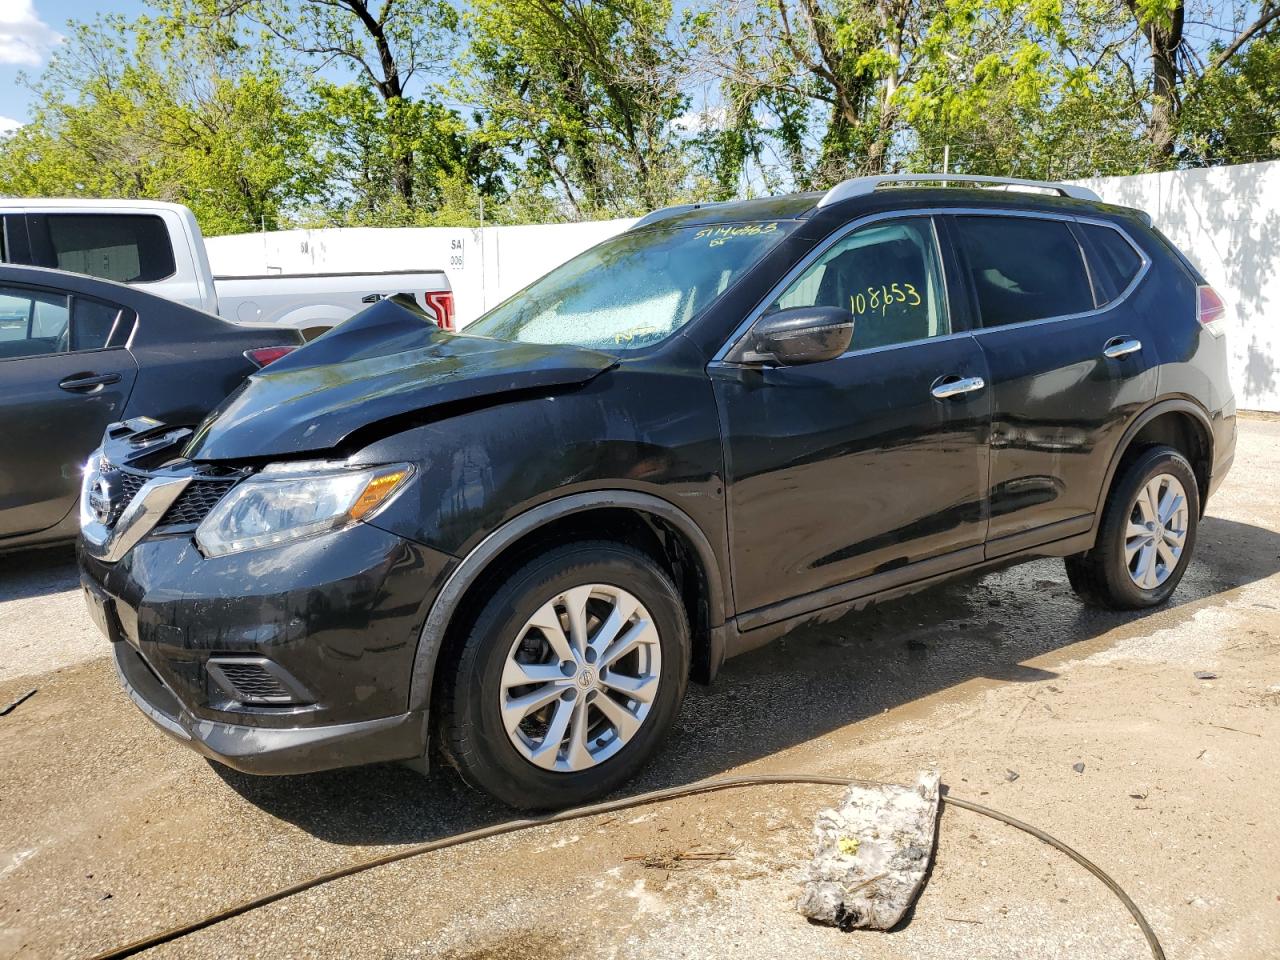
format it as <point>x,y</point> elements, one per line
<point>109,831</point>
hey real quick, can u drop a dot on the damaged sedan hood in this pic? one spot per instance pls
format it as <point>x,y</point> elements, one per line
<point>387,362</point>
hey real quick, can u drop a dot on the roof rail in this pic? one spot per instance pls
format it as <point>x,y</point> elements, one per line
<point>861,186</point>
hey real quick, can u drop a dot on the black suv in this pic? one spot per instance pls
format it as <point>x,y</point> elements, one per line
<point>520,542</point>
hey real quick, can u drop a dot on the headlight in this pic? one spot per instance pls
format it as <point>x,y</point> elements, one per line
<point>88,480</point>
<point>288,502</point>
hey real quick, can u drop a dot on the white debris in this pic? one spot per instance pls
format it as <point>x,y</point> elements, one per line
<point>872,855</point>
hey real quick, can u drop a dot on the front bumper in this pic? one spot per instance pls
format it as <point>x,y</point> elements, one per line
<point>264,750</point>
<point>339,616</point>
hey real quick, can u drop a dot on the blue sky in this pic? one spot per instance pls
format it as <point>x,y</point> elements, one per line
<point>29,30</point>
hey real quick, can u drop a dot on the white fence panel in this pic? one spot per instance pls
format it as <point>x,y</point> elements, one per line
<point>1227,221</point>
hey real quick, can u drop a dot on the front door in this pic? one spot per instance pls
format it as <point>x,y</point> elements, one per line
<point>60,385</point>
<point>866,464</point>
<point>1068,362</point>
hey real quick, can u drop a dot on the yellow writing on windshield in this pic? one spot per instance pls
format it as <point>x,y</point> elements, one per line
<point>626,336</point>
<point>718,235</point>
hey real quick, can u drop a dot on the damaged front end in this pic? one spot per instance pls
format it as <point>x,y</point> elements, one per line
<point>137,482</point>
<point>245,604</point>
<point>264,576</point>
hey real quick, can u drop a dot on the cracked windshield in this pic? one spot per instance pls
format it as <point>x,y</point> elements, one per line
<point>633,290</point>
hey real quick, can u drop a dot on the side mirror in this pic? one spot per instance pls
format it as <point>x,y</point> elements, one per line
<point>800,335</point>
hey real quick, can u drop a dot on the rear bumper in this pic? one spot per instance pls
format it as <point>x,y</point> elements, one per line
<point>263,750</point>
<point>1224,447</point>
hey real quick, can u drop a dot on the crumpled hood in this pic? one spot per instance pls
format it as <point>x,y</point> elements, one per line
<point>385,362</point>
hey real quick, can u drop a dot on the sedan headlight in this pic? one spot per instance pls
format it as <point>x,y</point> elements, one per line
<point>88,481</point>
<point>287,502</point>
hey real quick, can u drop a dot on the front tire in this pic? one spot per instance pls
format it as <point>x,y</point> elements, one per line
<point>571,675</point>
<point>1147,534</point>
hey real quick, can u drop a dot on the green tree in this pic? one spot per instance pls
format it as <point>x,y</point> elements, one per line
<point>150,109</point>
<point>387,46</point>
<point>822,80</point>
<point>1030,89</point>
<point>582,95</point>
<point>451,169</point>
<point>1235,115</point>
<point>1177,71</point>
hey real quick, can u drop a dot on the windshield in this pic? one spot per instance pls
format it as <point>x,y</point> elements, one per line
<point>633,290</point>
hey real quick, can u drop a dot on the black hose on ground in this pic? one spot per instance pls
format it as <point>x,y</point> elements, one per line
<point>613,806</point>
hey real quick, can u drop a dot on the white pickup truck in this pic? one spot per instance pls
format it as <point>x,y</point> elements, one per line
<point>158,247</point>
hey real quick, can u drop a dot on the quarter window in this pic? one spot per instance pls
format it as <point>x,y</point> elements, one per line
<point>1024,268</point>
<point>92,323</point>
<point>887,275</point>
<point>128,248</point>
<point>1115,262</point>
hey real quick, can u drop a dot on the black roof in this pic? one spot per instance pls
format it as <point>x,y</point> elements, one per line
<point>65,281</point>
<point>804,206</point>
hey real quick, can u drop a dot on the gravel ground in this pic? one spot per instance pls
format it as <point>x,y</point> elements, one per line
<point>109,831</point>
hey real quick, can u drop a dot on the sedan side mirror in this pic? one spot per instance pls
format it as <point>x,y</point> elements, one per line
<point>800,335</point>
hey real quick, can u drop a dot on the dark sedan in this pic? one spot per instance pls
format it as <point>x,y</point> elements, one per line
<point>76,354</point>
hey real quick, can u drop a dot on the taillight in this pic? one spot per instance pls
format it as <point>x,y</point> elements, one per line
<point>264,355</point>
<point>1211,310</point>
<point>441,304</point>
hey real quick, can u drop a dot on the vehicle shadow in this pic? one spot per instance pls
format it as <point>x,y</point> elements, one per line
<point>38,572</point>
<point>811,683</point>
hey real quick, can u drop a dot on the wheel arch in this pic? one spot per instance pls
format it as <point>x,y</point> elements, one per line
<point>510,540</point>
<point>1177,421</point>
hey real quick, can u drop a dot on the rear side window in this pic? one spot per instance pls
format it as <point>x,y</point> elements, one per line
<point>32,322</point>
<point>1024,268</point>
<point>1115,261</point>
<point>35,323</point>
<point>128,248</point>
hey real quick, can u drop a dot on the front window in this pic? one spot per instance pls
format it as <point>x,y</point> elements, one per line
<point>886,274</point>
<point>635,289</point>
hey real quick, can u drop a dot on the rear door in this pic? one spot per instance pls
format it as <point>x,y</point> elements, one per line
<point>1067,359</point>
<point>65,374</point>
<point>872,463</point>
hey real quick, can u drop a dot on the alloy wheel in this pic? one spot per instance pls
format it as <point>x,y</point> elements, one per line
<point>1156,532</point>
<point>580,678</point>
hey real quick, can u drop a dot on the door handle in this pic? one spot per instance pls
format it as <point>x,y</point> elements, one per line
<point>88,381</point>
<point>1118,347</point>
<point>946,387</point>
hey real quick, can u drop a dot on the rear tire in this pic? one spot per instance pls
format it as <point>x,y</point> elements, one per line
<point>1146,537</point>
<point>596,710</point>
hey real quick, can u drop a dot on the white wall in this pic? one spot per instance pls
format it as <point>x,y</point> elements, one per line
<point>1226,219</point>
<point>484,266</point>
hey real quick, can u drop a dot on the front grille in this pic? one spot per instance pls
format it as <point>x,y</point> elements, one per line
<point>249,682</point>
<point>192,505</point>
<point>130,484</point>
<point>195,502</point>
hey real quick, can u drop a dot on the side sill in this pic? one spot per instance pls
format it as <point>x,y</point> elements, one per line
<point>741,639</point>
<point>845,593</point>
<point>1038,536</point>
